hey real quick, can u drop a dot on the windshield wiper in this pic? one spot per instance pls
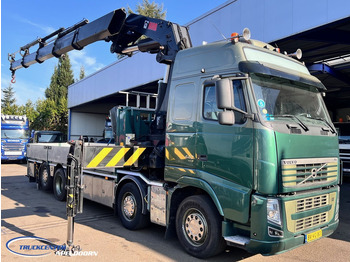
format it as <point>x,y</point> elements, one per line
<point>303,126</point>
<point>328,124</point>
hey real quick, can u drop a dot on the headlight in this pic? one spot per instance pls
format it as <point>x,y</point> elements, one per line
<point>273,211</point>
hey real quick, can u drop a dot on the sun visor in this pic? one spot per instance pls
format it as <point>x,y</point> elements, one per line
<point>273,70</point>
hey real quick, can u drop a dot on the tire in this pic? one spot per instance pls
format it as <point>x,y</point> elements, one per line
<point>130,207</point>
<point>45,179</point>
<point>59,185</point>
<point>198,227</point>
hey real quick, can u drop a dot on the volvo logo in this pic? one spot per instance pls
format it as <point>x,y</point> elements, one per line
<point>289,162</point>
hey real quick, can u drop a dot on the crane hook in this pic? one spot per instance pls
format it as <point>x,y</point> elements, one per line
<point>13,80</point>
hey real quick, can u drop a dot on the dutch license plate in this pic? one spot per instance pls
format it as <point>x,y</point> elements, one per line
<point>13,153</point>
<point>313,236</point>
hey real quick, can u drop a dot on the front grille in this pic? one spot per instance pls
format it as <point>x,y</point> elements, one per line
<point>309,212</point>
<point>13,146</point>
<point>304,172</point>
<point>311,203</point>
<point>311,221</point>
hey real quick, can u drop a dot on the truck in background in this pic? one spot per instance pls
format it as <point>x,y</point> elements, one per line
<point>240,149</point>
<point>343,129</point>
<point>14,137</point>
<point>48,137</point>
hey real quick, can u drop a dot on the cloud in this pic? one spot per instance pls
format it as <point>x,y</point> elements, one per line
<point>46,29</point>
<point>80,58</point>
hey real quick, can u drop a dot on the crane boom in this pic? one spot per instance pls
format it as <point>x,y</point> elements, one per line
<point>164,38</point>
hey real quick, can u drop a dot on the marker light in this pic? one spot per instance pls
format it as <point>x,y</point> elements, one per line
<point>234,37</point>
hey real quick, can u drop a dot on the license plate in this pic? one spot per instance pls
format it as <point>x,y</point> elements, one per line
<point>13,153</point>
<point>313,236</point>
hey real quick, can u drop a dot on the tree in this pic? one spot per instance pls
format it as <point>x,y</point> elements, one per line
<point>53,112</point>
<point>29,109</point>
<point>146,8</point>
<point>8,102</point>
<point>45,118</point>
<point>82,73</point>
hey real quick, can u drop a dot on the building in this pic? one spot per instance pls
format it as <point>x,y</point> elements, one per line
<point>319,27</point>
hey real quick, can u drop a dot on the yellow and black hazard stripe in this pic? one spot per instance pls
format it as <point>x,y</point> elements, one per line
<point>113,157</point>
<point>178,153</point>
<point>187,171</point>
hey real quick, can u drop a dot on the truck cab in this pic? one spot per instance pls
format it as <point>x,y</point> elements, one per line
<point>14,137</point>
<point>248,126</point>
<point>49,137</point>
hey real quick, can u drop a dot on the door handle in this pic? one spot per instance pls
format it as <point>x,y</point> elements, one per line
<point>202,157</point>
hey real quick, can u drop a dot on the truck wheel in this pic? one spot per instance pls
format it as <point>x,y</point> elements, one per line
<point>130,207</point>
<point>59,185</point>
<point>198,227</point>
<point>45,179</point>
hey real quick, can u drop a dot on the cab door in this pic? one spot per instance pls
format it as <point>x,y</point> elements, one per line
<point>226,151</point>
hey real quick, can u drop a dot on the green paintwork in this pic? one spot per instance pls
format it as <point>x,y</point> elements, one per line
<point>263,243</point>
<point>238,166</point>
<point>231,199</point>
<point>130,121</point>
<point>265,161</point>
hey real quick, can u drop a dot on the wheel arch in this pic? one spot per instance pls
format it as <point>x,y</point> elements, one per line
<point>195,186</point>
<point>58,166</point>
<point>141,185</point>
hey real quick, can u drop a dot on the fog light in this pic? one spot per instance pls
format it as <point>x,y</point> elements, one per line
<point>275,232</point>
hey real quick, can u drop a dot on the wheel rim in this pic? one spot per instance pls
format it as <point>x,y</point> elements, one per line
<point>45,177</point>
<point>59,185</point>
<point>195,227</point>
<point>129,206</point>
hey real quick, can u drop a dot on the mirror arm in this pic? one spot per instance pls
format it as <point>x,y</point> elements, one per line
<point>247,115</point>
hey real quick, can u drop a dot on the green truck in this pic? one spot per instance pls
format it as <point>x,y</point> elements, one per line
<point>239,151</point>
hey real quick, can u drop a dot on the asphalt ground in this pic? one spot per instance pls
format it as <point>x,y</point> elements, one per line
<point>26,211</point>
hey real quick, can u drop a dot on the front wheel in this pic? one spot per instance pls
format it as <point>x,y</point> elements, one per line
<point>130,207</point>
<point>59,185</point>
<point>198,227</point>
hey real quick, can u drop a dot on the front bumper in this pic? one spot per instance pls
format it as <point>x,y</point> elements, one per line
<point>301,214</point>
<point>285,244</point>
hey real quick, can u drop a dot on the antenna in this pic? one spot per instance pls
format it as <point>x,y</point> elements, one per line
<point>217,29</point>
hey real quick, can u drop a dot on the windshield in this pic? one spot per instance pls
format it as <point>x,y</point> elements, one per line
<point>50,138</point>
<point>277,98</point>
<point>15,134</point>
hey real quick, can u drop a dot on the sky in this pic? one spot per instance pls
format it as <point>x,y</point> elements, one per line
<point>23,21</point>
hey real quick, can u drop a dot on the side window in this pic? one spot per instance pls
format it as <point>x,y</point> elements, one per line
<point>210,109</point>
<point>184,97</point>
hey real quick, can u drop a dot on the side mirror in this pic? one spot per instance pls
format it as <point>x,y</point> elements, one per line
<point>224,94</point>
<point>226,118</point>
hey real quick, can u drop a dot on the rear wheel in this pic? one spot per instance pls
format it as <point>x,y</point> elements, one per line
<point>59,185</point>
<point>198,227</point>
<point>130,207</point>
<point>45,179</point>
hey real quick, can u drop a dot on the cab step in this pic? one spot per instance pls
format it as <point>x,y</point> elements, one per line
<point>237,240</point>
